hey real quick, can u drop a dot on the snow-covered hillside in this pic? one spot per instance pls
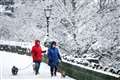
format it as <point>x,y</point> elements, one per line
<point>21,61</point>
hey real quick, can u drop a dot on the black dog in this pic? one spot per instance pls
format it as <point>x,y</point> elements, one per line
<point>14,70</point>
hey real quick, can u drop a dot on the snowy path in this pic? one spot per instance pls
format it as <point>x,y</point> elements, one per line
<point>21,61</point>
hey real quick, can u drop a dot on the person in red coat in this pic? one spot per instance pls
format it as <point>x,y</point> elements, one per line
<point>37,55</point>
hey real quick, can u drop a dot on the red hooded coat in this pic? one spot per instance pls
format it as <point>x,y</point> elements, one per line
<point>37,51</point>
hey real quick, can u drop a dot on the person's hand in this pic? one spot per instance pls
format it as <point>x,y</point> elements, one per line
<point>44,51</point>
<point>60,61</point>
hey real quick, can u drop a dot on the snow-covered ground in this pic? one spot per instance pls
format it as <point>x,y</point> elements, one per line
<point>21,61</point>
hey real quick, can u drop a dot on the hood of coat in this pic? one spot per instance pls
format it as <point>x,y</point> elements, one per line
<point>37,42</point>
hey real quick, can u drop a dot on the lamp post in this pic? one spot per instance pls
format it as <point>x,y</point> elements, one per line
<point>47,15</point>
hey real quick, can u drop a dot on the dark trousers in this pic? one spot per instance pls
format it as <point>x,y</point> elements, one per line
<point>53,70</point>
<point>37,66</point>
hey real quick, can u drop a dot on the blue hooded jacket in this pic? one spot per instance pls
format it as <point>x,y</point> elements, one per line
<point>53,57</point>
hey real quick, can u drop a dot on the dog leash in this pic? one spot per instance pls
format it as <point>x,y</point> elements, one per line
<point>26,66</point>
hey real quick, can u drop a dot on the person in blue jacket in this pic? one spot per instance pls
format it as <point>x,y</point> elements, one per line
<point>53,58</point>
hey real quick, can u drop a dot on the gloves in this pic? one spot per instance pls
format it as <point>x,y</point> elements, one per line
<point>60,61</point>
<point>44,51</point>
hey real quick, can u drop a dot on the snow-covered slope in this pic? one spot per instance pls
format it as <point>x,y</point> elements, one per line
<point>21,61</point>
<point>84,24</point>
